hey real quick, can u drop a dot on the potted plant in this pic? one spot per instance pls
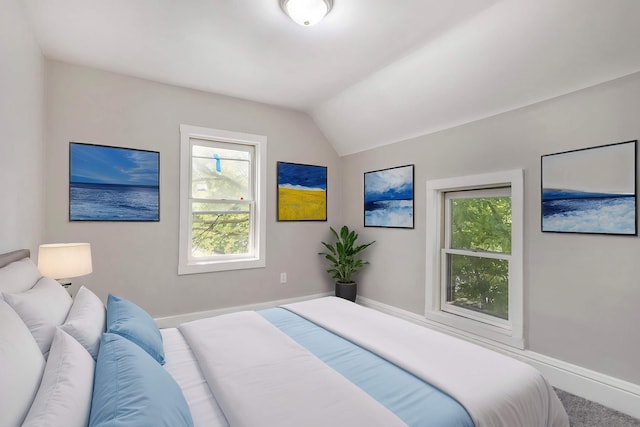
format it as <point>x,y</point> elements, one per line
<point>344,262</point>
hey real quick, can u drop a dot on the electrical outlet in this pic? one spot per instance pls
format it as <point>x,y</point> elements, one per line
<point>283,277</point>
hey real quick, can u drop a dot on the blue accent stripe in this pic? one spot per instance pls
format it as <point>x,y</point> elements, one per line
<point>414,401</point>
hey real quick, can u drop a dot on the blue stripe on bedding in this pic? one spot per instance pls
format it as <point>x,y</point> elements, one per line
<point>414,401</point>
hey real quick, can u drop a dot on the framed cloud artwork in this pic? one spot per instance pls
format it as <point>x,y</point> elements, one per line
<point>302,192</point>
<point>591,190</point>
<point>113,183</point>
<point>388,197</point>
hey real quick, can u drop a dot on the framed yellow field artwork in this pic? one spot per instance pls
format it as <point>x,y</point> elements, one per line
<point>302,192</point>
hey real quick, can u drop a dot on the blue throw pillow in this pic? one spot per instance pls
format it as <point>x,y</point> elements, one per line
<point>130,321</point>
<point>131,390</point>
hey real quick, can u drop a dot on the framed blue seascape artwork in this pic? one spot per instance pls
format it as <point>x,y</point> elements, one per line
<point>113,183</point>
<point>592,190</point>
<point>388,197</point>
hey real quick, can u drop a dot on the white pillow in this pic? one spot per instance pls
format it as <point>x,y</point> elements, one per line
<point>86,320</point>
<point>64,397</point>
<point>19,276</point>
<point>42,308</point>
<point>21,366</point>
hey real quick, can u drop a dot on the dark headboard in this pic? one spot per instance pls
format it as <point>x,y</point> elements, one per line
<point>10,257</point>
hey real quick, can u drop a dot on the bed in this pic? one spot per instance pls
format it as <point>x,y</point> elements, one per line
<point>326,361</point>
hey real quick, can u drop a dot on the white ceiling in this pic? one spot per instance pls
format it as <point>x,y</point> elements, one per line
<point>373,72</point>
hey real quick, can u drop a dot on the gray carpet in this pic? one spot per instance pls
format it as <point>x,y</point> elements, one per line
<point>584,413</point>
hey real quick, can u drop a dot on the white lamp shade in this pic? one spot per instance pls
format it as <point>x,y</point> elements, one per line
<point>65,260</point>
<point>306,12</point>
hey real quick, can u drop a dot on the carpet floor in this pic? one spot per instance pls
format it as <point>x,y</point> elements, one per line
<point>584,413</point>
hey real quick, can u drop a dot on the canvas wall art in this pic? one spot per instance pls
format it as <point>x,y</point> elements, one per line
<point>388,197</point>
<point>302,192</point>
<point>592,190</point>
<point>113,183</point>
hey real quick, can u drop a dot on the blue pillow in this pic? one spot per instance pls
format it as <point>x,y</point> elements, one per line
<point>131,390</point>
<point>130,321</point>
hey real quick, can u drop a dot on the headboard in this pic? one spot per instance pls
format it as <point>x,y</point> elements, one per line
<point>10,257</point>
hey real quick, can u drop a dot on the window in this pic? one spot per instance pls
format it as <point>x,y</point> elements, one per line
<point>476,254</point>
<point>222,200</point>
<point>474,249</point>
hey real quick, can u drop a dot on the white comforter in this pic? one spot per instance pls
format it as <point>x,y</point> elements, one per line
<point>495,389</point>
<point>261,377</point>
<point>184,368</point>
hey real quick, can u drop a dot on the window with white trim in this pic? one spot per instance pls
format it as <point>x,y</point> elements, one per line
<point>222,200</point>
<point>474,249</point>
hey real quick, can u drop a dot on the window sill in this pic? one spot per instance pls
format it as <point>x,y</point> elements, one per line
<point>475,330</point>
<point>214,266</point>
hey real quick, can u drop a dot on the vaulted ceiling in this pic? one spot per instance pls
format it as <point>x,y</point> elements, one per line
<point>373,72</point>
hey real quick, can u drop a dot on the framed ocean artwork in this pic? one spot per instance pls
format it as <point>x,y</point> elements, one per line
<point>302,192</point>
<point>388,197</point>
<point>591,190</point>
<point>113,183</point>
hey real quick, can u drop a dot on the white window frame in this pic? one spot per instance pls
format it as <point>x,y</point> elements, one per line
<point>256,257</point>
<point>462,321</point>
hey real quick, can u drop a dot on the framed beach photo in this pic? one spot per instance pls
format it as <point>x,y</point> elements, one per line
<point>388,197</point>
<point>113,183</point>
<point>592,190</point>
<point>302,192</point>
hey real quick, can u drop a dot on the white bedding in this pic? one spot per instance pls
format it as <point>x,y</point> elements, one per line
<point>183,366</point>
<point>495,389</point>
<point>261,377</point>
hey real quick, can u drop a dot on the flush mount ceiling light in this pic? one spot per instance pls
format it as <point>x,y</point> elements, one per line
<point>306,12</point>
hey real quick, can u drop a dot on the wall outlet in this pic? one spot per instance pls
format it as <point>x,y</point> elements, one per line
<point>283,277</point>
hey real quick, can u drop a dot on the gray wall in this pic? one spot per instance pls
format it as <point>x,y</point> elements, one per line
<point>140,260</point>
<point>581,291</point>
<point>21,127</point>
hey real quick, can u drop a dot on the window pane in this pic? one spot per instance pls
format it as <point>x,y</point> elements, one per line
<point>220,174</point>
<point>479,284</point>
<point>220,229</point>
<point>209,151</point>
<point>481,223</point>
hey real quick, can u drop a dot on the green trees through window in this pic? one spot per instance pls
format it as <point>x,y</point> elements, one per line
<point>218,229</point>
<point>477,253</point>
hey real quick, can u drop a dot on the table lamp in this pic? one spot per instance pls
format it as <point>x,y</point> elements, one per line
<point>63,261</point>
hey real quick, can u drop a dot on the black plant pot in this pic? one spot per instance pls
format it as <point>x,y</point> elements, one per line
<point>347,290</point>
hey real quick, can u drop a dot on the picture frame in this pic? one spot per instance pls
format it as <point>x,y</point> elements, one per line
<point>302,192</point>
<point>590,190</point>
<point>389,197</point>
<point>109,183</point>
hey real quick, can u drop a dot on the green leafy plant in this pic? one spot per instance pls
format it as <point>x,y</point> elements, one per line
<point>343,254</point>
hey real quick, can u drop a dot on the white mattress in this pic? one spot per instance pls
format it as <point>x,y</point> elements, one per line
<point>182,365</point>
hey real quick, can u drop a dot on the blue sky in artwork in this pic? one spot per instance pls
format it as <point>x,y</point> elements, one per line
<point>111,165</point>
<point>609,169</point>
<point>291,175</point>
<point>389,184</point>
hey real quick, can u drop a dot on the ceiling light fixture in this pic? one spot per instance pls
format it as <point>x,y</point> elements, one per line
<point>306,12</point>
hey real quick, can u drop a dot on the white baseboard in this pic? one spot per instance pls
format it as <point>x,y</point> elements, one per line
<point>609,391</point>
<point>174,321</point>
